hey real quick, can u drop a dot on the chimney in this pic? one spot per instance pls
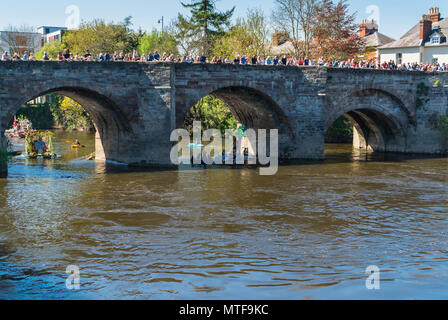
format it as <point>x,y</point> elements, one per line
<point>279,37</point>
<point>425,27</point>
<point>367,27</point>
<point>434,15</point>
<point>275,39</point>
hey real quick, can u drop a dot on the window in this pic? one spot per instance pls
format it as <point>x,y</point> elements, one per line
<point>435,40</point>
<point>399,58</point>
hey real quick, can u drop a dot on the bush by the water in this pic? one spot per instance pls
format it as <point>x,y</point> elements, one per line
<point>213,114</point>
<point>70,115</point>
<point>56,112</point>
<point>340,132</point>
<point>39,114</point>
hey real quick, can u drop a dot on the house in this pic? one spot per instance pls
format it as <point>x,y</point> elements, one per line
<point>368,31</point>
<point>19,42</point>
<point>425,43</point>
<point>281,44</point>
<point>50,34</point>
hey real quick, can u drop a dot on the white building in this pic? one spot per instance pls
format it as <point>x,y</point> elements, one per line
<point>50,34</point>
<point>368,31</point>
<point>425,43</point>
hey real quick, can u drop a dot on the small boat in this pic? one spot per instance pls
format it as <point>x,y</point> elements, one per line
<point>14,153</point>
<point>20,128</point>
<point>38,145</point>
<point>46,155</point>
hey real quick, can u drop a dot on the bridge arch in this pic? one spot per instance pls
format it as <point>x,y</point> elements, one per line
<point>112,129</point>
<point>251,107</point>
<point>380,119</point>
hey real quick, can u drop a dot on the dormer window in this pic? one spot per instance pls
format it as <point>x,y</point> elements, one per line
<point>435,40</point>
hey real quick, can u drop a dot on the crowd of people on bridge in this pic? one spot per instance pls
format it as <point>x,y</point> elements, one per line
<point>284,60</point>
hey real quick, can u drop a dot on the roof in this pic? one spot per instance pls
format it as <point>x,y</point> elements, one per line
<point>285,48</point>
<point>376,39</point>
<point>52,27</point>
<point>412,38</point>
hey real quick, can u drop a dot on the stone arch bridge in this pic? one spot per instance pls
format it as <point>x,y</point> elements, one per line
<point>136,106</point>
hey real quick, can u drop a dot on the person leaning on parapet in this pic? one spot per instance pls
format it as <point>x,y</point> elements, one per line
<point>45,56</point>
<point>87,56</point>
<point>5,56</point>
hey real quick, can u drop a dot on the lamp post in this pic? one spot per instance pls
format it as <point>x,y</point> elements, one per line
<point>161,22</point>
<point>163,35</point>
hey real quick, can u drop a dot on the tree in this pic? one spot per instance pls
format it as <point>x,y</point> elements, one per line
<point>248,36</point>
<point>52,48</point>
<point>100,37</point>
<point>200,31</point>
<point>237,41</point>
<point>70,114</point>
<point>212,113</point>
<point>19,39</point>
<point>336,34</point>
<point>257,26</point>
<point>155,40</point>
<point>341,131</point>
<point>297,18</point>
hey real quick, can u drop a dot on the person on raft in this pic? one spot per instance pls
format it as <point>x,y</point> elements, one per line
<point>77,143</point>
<point>41,146</point>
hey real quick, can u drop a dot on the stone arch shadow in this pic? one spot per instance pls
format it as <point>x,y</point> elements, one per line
<point>379,118</point>
<point>112,129</point>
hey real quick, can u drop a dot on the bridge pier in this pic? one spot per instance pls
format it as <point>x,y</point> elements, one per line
<point>3,160</point>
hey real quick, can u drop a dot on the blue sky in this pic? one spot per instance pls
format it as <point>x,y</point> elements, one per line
<point>396,16</point>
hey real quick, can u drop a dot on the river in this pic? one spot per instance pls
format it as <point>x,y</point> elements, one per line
<point>308,232</point>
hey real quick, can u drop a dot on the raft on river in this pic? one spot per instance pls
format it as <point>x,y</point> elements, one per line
<point>39,145</point>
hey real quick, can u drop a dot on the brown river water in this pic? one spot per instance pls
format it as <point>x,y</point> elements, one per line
<point>308,232</point>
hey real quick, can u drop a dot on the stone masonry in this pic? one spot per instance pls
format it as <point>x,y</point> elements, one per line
<point>136,106</point>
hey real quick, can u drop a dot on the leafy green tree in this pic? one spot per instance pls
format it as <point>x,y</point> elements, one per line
<point>100,37</point>
<point>52,48</point>
<point>70,115</point>
<point>340,132</point>
<point>155,40</point>
<point>203,27</point>
<point>212,113</point>
<point>248,36</point>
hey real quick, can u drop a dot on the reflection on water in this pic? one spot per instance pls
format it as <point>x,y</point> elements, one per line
<point>307,233</point>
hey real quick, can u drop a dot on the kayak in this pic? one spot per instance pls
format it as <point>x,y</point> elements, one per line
<point>14,153</point>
